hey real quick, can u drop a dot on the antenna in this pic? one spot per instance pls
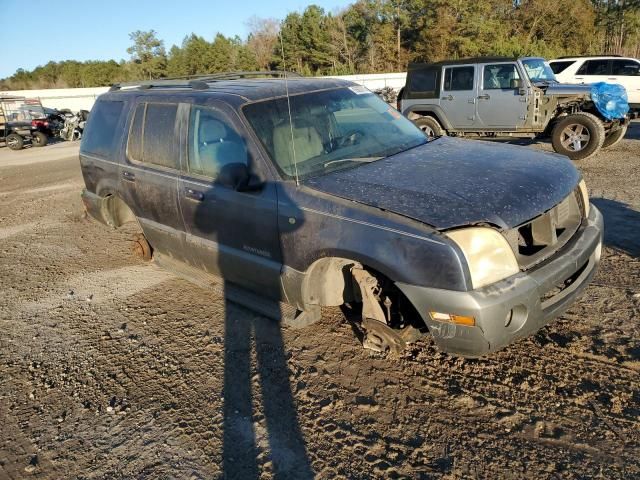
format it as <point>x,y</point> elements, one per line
<point>286,87</point>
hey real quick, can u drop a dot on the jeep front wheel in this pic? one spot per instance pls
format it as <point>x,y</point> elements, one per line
<point>430,127</point>
<point>578,136</point>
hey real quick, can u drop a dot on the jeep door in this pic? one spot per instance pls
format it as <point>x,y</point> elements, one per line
<point>502,98</point>
<point>230,233</point>
<point>457,95</point>
<point>149,175</point>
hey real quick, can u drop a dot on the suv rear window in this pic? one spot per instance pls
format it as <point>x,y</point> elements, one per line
<point>594,67</point>
<point>152,136</point>
<point>559,67</point>
<point>424,80</point>
<point>629,68</point>
<point>101,128</point>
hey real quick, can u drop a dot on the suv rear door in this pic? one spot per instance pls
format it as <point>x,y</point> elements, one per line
<point>457,95</point>
<point>500,99</point>
<point>230,233</point>
<point>149,175</point>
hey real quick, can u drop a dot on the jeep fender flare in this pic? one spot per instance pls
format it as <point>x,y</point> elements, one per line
<point>434,111</point>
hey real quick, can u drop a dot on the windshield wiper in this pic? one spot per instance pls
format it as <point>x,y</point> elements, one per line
<point>357,160</point>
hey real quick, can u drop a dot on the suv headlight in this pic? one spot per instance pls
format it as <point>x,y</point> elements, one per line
<point>585,197</point>
<point>489,256</point>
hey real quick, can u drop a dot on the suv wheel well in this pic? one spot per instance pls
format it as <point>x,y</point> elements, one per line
<point>329,282</point>
<point>434,115</point>
<point>116,212</point>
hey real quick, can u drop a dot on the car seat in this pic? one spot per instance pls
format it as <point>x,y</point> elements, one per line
<point>217,147</point>
<point>307,141</point>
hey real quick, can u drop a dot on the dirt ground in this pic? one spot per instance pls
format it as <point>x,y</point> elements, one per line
<point>113,368</point>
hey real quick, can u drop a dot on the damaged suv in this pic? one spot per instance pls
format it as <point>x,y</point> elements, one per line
<point>294,194</point>
<point>509,97</point>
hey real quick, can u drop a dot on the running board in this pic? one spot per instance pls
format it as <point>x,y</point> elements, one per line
<point>280,311</point>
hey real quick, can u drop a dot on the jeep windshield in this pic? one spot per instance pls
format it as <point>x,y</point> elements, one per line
<point>538,70</point>
<point>331,130</point>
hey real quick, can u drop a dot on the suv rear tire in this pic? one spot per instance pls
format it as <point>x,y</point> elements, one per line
<point>429,126</point>
<point>578,136</point>
<point>615,137</point>
<point>39,139</point>
<point>14,141</point>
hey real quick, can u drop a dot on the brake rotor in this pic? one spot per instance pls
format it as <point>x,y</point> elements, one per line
<point>379,337</point>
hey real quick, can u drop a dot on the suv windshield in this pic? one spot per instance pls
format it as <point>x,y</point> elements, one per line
<point>331,130</point>
<point>538,70</point>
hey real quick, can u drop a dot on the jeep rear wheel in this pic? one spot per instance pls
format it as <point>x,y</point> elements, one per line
<point>39,139</point>
<point>430,127</point>
<point>14,141</point>
<point>615,137</point>
<point>578,136</point>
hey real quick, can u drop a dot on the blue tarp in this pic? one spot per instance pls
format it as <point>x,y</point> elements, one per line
<point>610,99</point>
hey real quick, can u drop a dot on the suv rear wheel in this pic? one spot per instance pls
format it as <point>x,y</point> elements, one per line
<point>14,141</point>
<point>615,137</point>
<point>578,136</point>
<point>429,126</point>
<point>39,139</point>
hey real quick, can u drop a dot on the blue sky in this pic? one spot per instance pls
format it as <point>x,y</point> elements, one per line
<point>99,30</point>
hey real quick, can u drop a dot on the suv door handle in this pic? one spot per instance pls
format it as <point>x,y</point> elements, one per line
<point>194,194</point>
<point>449,97</point>
<point>130,177</point>
<point>483,97</point>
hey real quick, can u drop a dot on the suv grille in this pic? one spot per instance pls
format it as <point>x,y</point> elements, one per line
<point>538,239</point>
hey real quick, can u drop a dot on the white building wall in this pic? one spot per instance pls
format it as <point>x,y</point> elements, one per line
<point>83,98</point>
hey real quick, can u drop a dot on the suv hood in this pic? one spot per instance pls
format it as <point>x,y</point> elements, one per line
<point>450,183</point>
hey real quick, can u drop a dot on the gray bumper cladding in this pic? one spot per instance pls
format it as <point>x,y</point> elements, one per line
<point>515,307</point>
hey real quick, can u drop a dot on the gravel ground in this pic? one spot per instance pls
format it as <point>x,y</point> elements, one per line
<point>113,368</point>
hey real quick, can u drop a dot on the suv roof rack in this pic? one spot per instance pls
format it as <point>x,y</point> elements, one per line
<point>588,56</point>
<point>201,82</point>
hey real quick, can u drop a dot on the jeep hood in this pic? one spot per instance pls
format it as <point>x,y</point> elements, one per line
<point>450,182</point>
<point>567,90</point>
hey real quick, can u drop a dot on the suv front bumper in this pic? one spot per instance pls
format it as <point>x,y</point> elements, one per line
<point>515,307</point>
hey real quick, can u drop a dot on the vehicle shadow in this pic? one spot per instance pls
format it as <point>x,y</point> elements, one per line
<point>621,225</point>
<point>260,422</point>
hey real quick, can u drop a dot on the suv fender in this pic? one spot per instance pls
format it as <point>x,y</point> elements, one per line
<point>416,111</point>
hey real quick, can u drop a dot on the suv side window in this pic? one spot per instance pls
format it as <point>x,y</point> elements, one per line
<point>213,143</point>
<point>594,67</point>
<point>458,78</point>
<point>500,76</point>
<point>152,137</point>
<point>629,68</point>
<point>423,80</point>
<point>101,128</point>
<point>559,67</point>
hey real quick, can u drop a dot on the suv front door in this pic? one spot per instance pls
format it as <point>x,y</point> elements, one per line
<point>501,103</point>
<point>457,96</point>
<point>230,233</point>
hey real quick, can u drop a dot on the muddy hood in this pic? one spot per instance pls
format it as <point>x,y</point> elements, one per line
<point>451,182</point>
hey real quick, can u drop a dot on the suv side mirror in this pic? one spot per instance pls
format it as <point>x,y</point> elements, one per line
<point>516,83</point>
<point>238,177</point>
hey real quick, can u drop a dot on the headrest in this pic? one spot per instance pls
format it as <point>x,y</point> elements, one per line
<point>211,130</point>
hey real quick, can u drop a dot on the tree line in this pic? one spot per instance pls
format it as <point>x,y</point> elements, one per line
<point>367,36</point>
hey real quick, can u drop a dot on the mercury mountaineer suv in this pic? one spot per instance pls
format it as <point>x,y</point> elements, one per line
<point>298,193</point>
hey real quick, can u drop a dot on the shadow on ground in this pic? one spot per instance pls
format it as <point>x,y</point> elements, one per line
<point>621,225</point>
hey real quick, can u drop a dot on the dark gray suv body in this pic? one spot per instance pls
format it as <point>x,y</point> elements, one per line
<point>328,196</point>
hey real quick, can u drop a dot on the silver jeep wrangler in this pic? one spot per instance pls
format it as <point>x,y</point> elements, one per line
<point>496,97</point>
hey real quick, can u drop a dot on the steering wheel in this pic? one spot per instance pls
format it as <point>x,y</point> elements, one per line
<point>352,137</point>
